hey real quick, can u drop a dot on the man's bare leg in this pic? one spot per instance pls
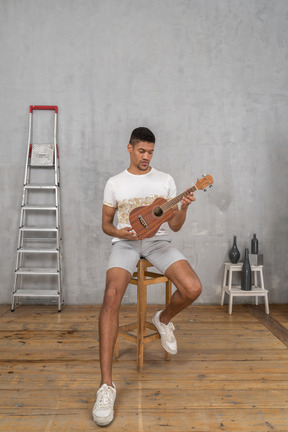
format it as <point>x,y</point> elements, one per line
<point>188,288</point>
<point>117,280</point>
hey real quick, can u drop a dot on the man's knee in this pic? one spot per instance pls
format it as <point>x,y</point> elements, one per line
<point>197,288</point>
<point>116,285</point>
<point>112,294</point>
<point>193,289</point>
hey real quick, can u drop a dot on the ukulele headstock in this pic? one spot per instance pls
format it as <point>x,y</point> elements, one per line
<point>204,182</point>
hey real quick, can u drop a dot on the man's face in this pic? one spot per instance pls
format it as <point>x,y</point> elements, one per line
<point>141,155</point>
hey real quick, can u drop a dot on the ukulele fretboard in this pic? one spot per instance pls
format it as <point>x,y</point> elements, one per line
<point>169,204</point>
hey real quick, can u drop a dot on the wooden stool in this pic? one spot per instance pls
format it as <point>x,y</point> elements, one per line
<point>235,290</point>
<point>142,277</point>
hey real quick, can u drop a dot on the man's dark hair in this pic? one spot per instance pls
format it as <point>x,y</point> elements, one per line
<point>141,134</point>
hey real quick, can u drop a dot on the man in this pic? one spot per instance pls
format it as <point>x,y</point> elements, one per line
<point>139,185</point>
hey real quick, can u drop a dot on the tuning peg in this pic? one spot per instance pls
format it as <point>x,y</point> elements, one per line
<point>205,190</point>
<point>203,175</point>
<point>210,186</point>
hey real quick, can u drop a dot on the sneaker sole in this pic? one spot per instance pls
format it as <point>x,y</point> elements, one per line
<point>103,421</point>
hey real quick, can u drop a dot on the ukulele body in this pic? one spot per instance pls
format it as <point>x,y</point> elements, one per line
<point>146,220</point>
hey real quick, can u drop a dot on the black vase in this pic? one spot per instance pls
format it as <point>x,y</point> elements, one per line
<point>246,281</point>
<point>254,245</point>
<point>234,254</point>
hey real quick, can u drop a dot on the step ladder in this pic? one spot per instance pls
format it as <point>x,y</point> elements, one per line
<point>38,272</point>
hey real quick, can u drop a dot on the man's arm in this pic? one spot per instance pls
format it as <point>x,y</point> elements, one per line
<point>179,217</point>
<point>109,228</point>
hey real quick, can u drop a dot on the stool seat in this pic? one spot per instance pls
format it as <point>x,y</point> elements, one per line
<point>142,278</point>
<point>235,290</point>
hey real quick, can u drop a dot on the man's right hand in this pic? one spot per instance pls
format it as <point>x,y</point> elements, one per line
<point>127,234</point>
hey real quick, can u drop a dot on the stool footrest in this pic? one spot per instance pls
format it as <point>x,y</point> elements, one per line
<point>151,337</point>
<point>150,326</point>
<point>130,337</point>
<point>124,331</point>
<point>128,327</point>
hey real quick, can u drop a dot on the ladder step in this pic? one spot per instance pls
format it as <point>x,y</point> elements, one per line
<point>37,271</point>
<point>38,250</point>
<point>41,242</point>
<point>41,166</point>
<point>39,207</point>
<point>32,228</point>
<point>39,186</point>
<point>36,293</point>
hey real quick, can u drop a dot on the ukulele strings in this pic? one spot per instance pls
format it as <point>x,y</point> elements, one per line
<point>166,206</point>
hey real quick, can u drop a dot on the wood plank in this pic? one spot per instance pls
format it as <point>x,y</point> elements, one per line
<point>128,353</point>
<point>229,367</point>
<point>4,309</point>
<point>263,382</point>
<point>271,323</point>
<point>130,397</point>
<point>200,341</point>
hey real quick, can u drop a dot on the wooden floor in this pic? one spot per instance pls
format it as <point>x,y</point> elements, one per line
<point>231,372</point>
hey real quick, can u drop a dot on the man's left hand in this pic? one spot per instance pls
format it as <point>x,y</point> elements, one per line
<point>187,200</point>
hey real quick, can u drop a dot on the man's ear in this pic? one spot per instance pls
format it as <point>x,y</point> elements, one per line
<point>129,147</point>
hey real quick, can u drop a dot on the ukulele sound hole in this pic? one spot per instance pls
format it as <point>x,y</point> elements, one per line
<point>158,211</point>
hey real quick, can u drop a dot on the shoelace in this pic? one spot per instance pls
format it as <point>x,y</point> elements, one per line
<point>104,397</point>
<point>170,328</point>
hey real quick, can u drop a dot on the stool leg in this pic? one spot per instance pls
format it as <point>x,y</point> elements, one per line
<point>223,286</point>
<point>230,304</point>
<point>255,280</point>
<point>261,279</point>
<point>230,293</point>
<point>266,304</point>
<point>141,314</point>
<point>266,295</point>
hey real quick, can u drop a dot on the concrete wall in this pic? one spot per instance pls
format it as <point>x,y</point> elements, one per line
<point>208,77</point>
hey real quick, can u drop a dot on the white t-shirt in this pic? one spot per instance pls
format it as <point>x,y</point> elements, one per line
<point>127,191</point>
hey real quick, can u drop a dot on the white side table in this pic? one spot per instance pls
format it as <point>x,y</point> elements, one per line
<point>235,290</point>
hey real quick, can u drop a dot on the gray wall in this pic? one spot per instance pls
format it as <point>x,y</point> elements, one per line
<point>208,77</point>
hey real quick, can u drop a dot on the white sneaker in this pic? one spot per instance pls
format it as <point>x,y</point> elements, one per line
<point>103,410</point>
<point>168,340</point>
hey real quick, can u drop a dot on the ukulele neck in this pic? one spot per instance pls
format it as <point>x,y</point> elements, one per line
<point>169,204</point>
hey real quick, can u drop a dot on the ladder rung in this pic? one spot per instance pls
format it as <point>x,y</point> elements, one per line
<point>49,242</point>
<point>38,250</point>
<point>39,186</point>
<point>31,228</point>
<point>38,207</point>
<point>36,293</point>
<point>41,166</point>
<point>38,271</point>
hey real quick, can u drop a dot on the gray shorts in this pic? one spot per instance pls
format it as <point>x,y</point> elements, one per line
<point>159,251</point>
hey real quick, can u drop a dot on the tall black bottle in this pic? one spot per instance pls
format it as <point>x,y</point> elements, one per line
<point>234,253</point>
<point>246,278</point>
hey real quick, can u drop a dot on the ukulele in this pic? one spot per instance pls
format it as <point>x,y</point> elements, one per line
<point>146,220</point>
